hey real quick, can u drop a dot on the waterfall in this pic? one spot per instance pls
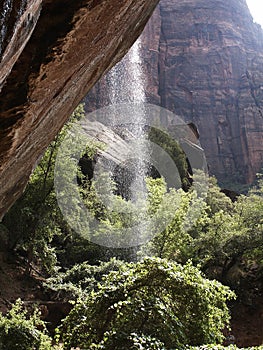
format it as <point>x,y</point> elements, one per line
<point>126,132</point>
<point>126,85</point>
<point>126,81</point>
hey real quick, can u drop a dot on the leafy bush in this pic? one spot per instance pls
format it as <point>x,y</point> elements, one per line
<point>18,331</point>
<point>222,236</point>
<point>35,224</point>
<point>153,297</point>
<point>175,151</point>
<point>221,347</point>
<point>134,341</point>
<point>81,279</point>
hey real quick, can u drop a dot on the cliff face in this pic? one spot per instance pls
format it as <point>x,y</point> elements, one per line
<point>51,53</point>
<point>204,61</point>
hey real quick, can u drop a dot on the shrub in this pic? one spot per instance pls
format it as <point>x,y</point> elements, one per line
<point>153,297</point>
<point>18,331</point>
<point>81,279</point>
<point>221,347</point>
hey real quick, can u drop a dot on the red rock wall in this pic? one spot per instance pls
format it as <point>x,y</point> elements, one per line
<point>204,61</point>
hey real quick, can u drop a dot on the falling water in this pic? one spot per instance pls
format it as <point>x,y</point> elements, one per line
<point>127,85</point>
<point>126,82</point>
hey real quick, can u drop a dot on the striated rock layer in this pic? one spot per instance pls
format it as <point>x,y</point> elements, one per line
<point>51,53</point>
<point>203,60</point>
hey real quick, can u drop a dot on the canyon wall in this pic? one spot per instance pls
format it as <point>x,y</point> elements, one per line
<point>203,60</point>
<point>51,53</point>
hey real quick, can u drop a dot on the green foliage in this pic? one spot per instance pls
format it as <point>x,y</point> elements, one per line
<point>232,233</point>
<point>173,149</point>
<point>18,331</point>
<point>80,280</point>
<point>217,200</point>
<point>213,232</point>
<point>173,302</point>
<point>112,340</point>
<point>35,223</point>
<point>153,304</point>
<point>221,347</point>
<point>180,210</point>
<point>35,218</point>
<point>32,221</point>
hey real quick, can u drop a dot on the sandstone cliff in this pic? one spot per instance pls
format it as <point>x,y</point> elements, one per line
<point>205,63</point>
<point>203,60</point>
<point>51,53</point>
